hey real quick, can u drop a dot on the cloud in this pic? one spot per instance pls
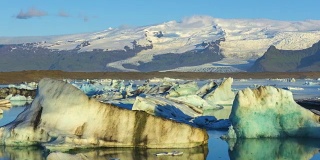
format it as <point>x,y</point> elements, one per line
<point>63,14</point>
<point>32,12</point>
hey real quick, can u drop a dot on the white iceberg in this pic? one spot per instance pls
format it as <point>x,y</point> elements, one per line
<point>206,88</point>
<point>194,100</point>
<point>165,108</point>
<point>18,98</point>
<point>188,88</point>
<point>222,94</point>
<point>270,112</point>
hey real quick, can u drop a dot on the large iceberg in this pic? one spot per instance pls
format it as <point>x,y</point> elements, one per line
<point>270,112</point>
<point>63,117</point>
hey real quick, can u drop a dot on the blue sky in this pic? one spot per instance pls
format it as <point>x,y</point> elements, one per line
<point>56,17</point>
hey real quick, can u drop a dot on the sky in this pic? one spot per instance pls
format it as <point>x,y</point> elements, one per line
<point>58,17</point>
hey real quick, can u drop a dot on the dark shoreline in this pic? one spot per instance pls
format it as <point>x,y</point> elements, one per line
<point>31,76</point>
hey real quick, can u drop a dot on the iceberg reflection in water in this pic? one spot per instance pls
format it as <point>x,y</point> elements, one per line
<point>198,153</point>
<point>267,148</point>
<point>21,153</point>
<point>34,153</point>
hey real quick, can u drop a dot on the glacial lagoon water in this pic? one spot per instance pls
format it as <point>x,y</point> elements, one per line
<point>241,149</point>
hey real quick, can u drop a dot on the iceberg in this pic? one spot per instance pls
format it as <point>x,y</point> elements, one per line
<point>222,94</point>
<point>194,100</point>
<point>270,112</point>
<point>179,111</point>
<point>165,108</point>
<point>5,92</point>
<point>24,86</point>
<point>62,117</point>
<point>187,88</point>
<point>90,89</point>
<point>18,98</point>
<point>205,89</point>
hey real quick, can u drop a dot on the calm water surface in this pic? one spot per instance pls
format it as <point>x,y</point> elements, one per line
<point>216,149</point>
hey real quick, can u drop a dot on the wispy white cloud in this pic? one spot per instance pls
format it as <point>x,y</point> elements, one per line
<point>63,14</point>
<point>32,12</point>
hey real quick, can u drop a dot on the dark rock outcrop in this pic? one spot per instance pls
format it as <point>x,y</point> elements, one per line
<point>275,60</point>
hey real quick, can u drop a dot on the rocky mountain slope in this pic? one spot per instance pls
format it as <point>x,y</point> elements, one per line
<point>198,43</point>
<point>275,60</point>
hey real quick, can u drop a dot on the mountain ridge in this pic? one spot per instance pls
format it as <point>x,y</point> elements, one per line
<point>155,47</point>
<point>276,60</point>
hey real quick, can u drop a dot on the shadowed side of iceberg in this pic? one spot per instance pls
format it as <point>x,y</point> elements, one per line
<point>61,116</point>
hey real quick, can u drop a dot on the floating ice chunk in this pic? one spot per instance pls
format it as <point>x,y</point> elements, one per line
<point>187,88</point>
<point>173,153</point>
<point>194,100</point>
<point>220,113</point>
<point>284,79</point>
<point>90,89</point>
<point>163,80</point>
<point>161,106</point>
<point>18,98</point>
<point>270,112</point>
<point>311,83</point>
<point>293,88</point>
<point>206,88</point>
<point>221,94</point>
<point>107,96</point>
<point>27,86</point>
<point>158,89</point>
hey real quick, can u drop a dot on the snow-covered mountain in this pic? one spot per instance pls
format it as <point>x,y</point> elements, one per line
<point>235,40</point>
